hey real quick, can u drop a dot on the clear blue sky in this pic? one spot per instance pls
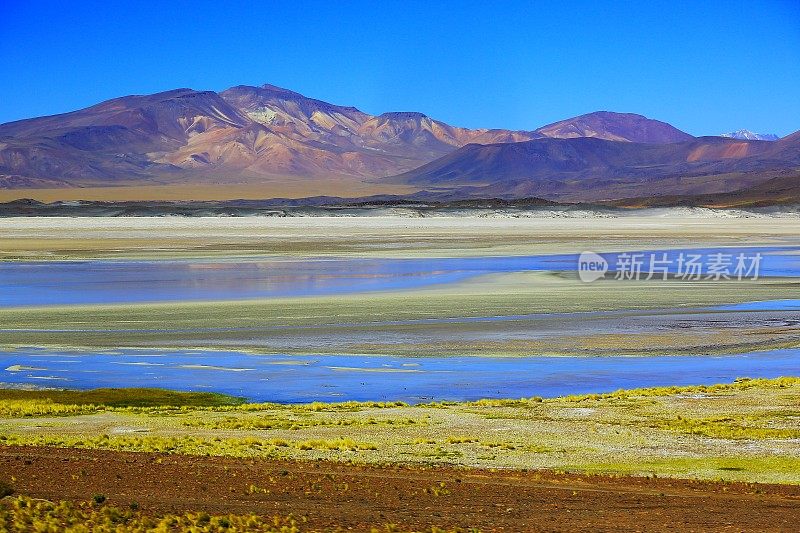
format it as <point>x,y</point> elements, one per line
<point>706,67</point>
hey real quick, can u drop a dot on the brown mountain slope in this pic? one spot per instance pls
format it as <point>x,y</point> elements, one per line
<point>587,169</point>
<point>781,190</point>
<point>241,134</point>
<point>615,127</point>
<point>118,139</point>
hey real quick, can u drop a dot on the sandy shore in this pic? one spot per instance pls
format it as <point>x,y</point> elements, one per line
<point>65,238</point>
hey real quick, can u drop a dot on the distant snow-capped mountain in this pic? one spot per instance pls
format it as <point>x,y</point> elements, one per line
<point>748,135</point>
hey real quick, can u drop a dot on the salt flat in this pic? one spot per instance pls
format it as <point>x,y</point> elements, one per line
<point>491,233</point>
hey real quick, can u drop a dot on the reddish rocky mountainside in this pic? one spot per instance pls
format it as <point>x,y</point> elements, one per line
<point>246,133</point>
<point>239,134</point>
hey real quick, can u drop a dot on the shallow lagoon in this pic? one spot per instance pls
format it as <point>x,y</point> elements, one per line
<point>285,378</point>
<point>291,379</point>
<point>98,282</point>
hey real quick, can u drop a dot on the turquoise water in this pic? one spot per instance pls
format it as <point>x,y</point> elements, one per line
<point>768,305</point>
<point>290,379</point>
<point>97,282</point>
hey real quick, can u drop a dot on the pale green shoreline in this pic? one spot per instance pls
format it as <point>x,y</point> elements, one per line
<point>434,320</point>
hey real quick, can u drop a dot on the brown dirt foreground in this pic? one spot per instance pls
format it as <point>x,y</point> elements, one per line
<point>334,495</point>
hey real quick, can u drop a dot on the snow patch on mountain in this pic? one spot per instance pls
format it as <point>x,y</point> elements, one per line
<point>748,135</point>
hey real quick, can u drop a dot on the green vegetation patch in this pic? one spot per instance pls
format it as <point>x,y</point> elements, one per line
<point>725,428</point>
<point>739,384</point>
<point>127,397</point>
<point>189,445</point>
<point>26,514</point>
<point>781,469</point>
<point>271,422</point>
<point>36,408</point>
<point>23,514</point>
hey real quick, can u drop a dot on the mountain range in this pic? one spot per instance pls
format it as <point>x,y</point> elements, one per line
<point>243,133</point>
<point>593,169</point>
<point>252,136</point>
